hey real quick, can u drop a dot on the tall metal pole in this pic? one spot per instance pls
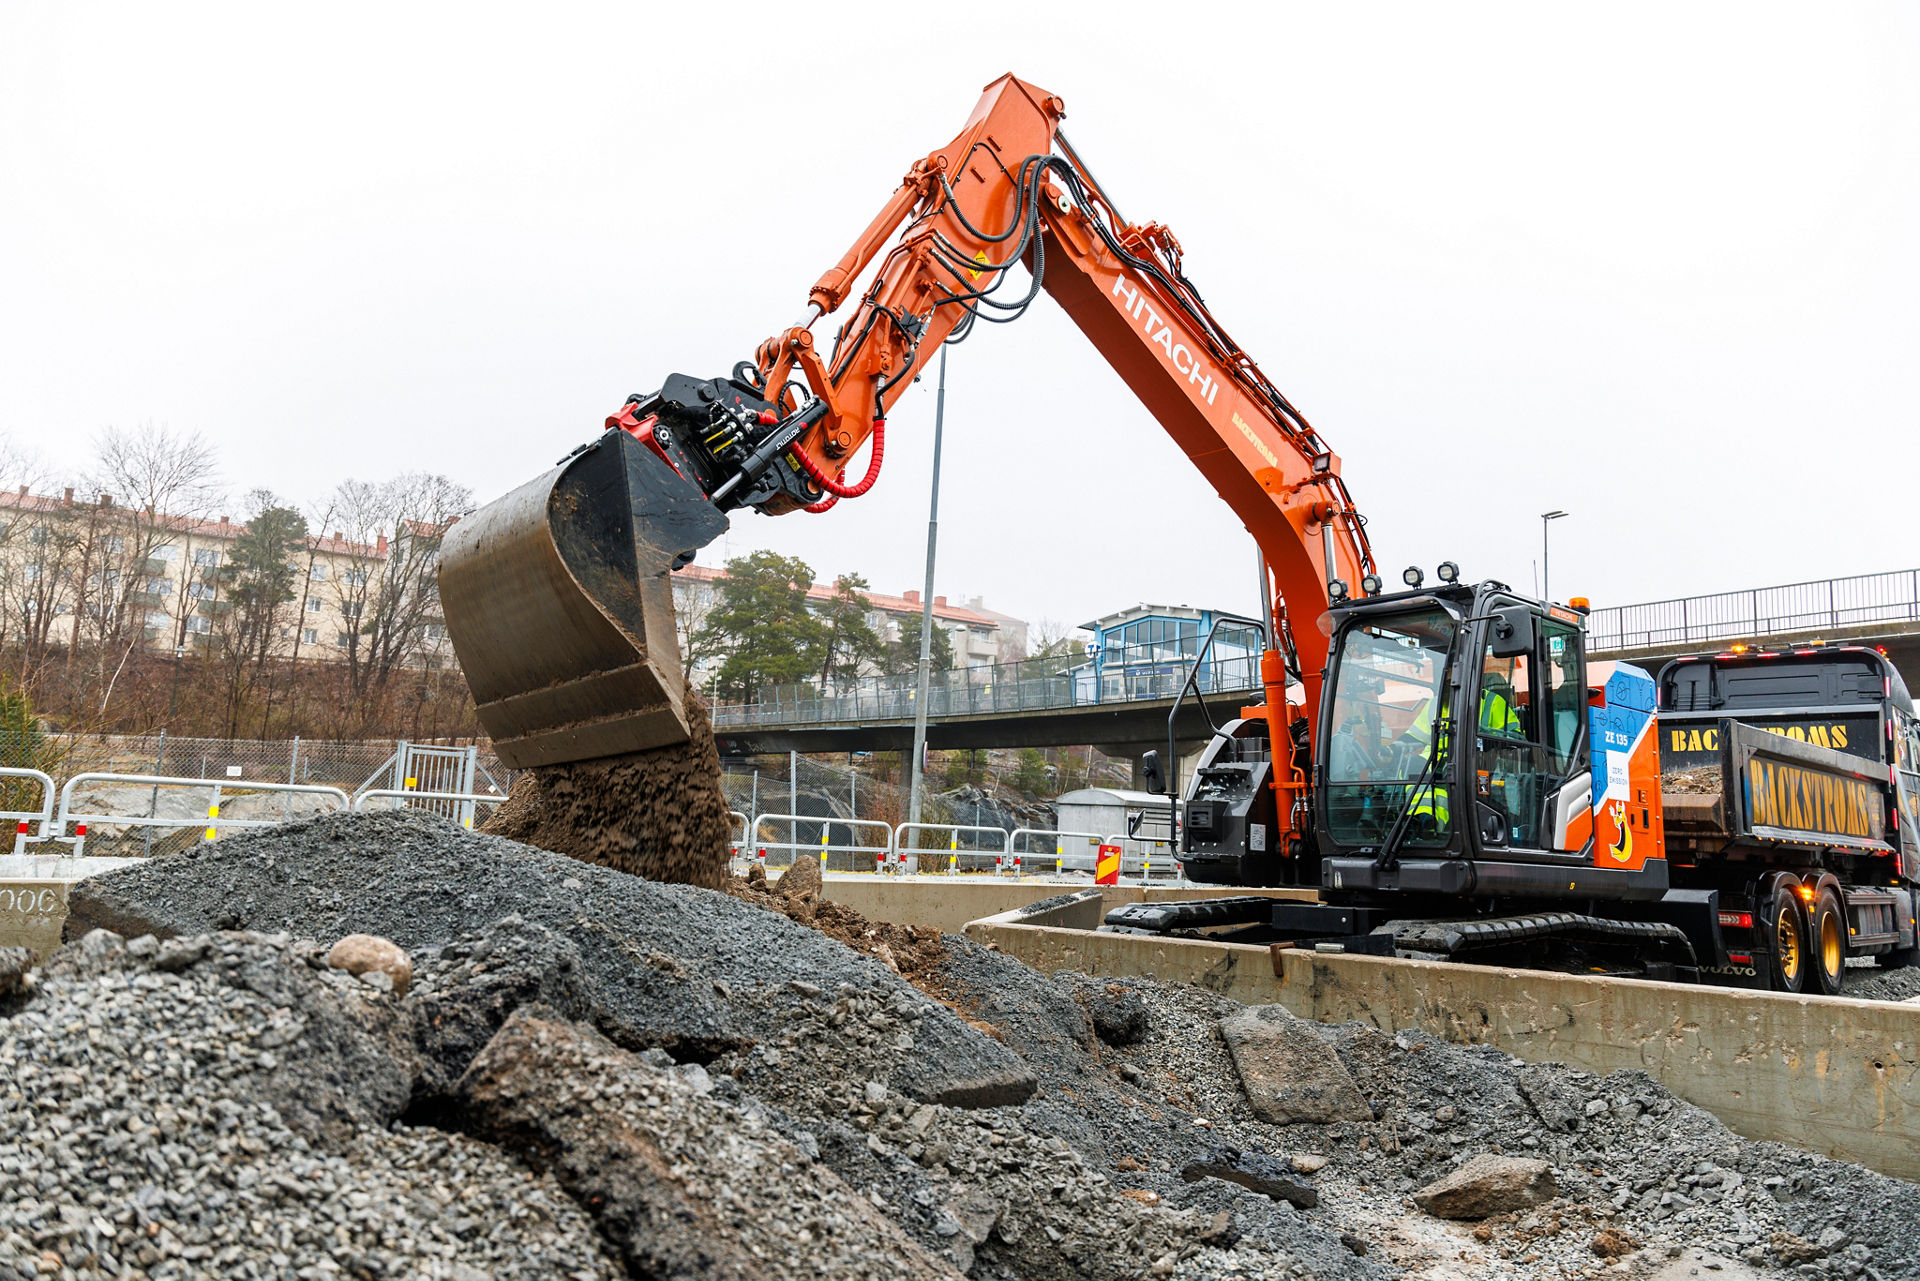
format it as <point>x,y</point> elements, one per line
<point>1546,583</point>
<point>926,606</point>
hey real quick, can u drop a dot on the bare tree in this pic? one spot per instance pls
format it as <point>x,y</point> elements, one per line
<point>388,595</point>
<point>165,484</point>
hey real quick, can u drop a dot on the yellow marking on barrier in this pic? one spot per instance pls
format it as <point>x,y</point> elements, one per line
<point>213,812</point>
<point>412,783</point>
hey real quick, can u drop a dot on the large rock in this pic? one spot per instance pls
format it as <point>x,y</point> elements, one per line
<point>363,954</point>
<point>1289,1073</point>
<point>680,1183</point>
<point>803,877</point>
<point>468,988</point>
<point>1487,1185</point>
<point>1272,1176</point>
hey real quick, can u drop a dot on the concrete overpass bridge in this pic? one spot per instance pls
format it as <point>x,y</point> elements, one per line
<point>1049,703</point>
<point>1040,703</point>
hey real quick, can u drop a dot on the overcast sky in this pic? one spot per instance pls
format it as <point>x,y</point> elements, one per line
<point>1653,264</point>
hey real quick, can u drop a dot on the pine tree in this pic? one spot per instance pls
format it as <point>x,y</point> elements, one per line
<point>763,626</point>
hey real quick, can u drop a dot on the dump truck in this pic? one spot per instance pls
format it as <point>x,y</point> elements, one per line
<point>1789,782</point>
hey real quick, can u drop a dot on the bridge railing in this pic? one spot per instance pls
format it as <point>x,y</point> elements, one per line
<point>1121,675</point>
<point>1829,604</point>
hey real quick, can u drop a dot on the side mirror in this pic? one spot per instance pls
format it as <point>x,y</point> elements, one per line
<point>1512,632</point>
<point>1133,823</point>
<point>1150,768</point>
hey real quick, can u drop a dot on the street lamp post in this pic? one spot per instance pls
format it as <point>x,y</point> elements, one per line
<point>1546,518</point>
<point>926,610</point>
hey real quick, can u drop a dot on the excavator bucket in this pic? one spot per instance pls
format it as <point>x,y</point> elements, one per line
<point>559,604</point>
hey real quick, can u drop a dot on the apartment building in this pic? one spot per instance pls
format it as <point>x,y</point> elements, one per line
<point>67,565</point>
<point>980,637</point>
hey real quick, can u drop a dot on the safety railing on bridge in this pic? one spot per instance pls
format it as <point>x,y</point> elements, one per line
<point>1119,675</point>
<point>1826,605</point>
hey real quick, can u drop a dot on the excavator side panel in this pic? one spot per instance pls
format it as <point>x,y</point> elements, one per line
<point>559,603</point>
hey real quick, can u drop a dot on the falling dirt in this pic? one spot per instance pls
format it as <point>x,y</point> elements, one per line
<point>660,814</point>
<point>912,951</point>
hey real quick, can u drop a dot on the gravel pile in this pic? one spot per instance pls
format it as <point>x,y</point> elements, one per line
<point>1633,1163</point>
<point>161,1115</point>
<point>687,970</point>
<point>676,1082</point>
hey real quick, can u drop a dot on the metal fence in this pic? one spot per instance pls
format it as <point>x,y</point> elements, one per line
<point>1825,605</point>
<point>1118,675</point>
<point>130,813</point>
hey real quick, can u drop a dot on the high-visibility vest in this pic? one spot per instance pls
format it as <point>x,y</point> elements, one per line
<point>1498,716</point>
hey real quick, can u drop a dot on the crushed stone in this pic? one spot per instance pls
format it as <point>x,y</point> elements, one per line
<point>145,1129</point>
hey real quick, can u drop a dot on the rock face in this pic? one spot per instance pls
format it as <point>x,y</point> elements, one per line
<point>1488,1185</point>
<point>1290,1074</point>
<point>680,1184</point>
<point>360,954</point>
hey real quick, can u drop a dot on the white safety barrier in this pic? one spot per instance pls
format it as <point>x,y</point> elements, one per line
<point>1152,850</point>
<point>23,820</point>
<point>467,799</point>
<point>219,787</point>
<point>855,849</point>
<point>1059,860</point>
<point>737,843</point>
<point>954,852</point>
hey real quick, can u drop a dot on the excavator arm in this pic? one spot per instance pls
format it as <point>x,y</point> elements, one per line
<point>568,661</point>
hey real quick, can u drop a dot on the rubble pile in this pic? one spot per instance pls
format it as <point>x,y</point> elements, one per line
<point>537,1066</point>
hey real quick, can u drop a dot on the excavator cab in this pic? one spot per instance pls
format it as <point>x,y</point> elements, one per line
<point>1458,755</point>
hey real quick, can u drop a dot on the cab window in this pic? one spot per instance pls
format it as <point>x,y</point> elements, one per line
<point>1566,693</point>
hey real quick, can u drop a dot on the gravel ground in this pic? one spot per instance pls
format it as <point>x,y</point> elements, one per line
<point>139,1136</point>
<point>1009,1124</point>
<point>1867,984</point>
<point>1628,1155</point>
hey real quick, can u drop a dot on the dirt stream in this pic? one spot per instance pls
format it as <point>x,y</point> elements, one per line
<point>661,814</point>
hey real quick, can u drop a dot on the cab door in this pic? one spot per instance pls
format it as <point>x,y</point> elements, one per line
<point>1527,733</point>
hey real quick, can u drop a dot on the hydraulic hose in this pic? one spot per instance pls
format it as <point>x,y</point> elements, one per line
<point>834,487</point>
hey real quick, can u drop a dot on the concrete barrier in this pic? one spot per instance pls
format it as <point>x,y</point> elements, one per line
<point>1828,1074</point>
<point>948,903</point>
<point>32,912</point>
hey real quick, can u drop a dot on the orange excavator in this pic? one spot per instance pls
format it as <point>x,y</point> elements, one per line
<point>1450,747</point>
<point>557,596</point>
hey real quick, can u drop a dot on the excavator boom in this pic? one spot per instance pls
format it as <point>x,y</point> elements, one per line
<point>558,598</point>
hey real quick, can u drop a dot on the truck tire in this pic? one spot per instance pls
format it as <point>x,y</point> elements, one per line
<point>1786,934</point>
<point>1828,936</point>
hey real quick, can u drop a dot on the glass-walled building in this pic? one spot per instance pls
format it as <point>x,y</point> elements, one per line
<point>1146,652</point>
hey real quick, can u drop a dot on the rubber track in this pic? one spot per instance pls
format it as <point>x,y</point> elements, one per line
<point>1463,936</point>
